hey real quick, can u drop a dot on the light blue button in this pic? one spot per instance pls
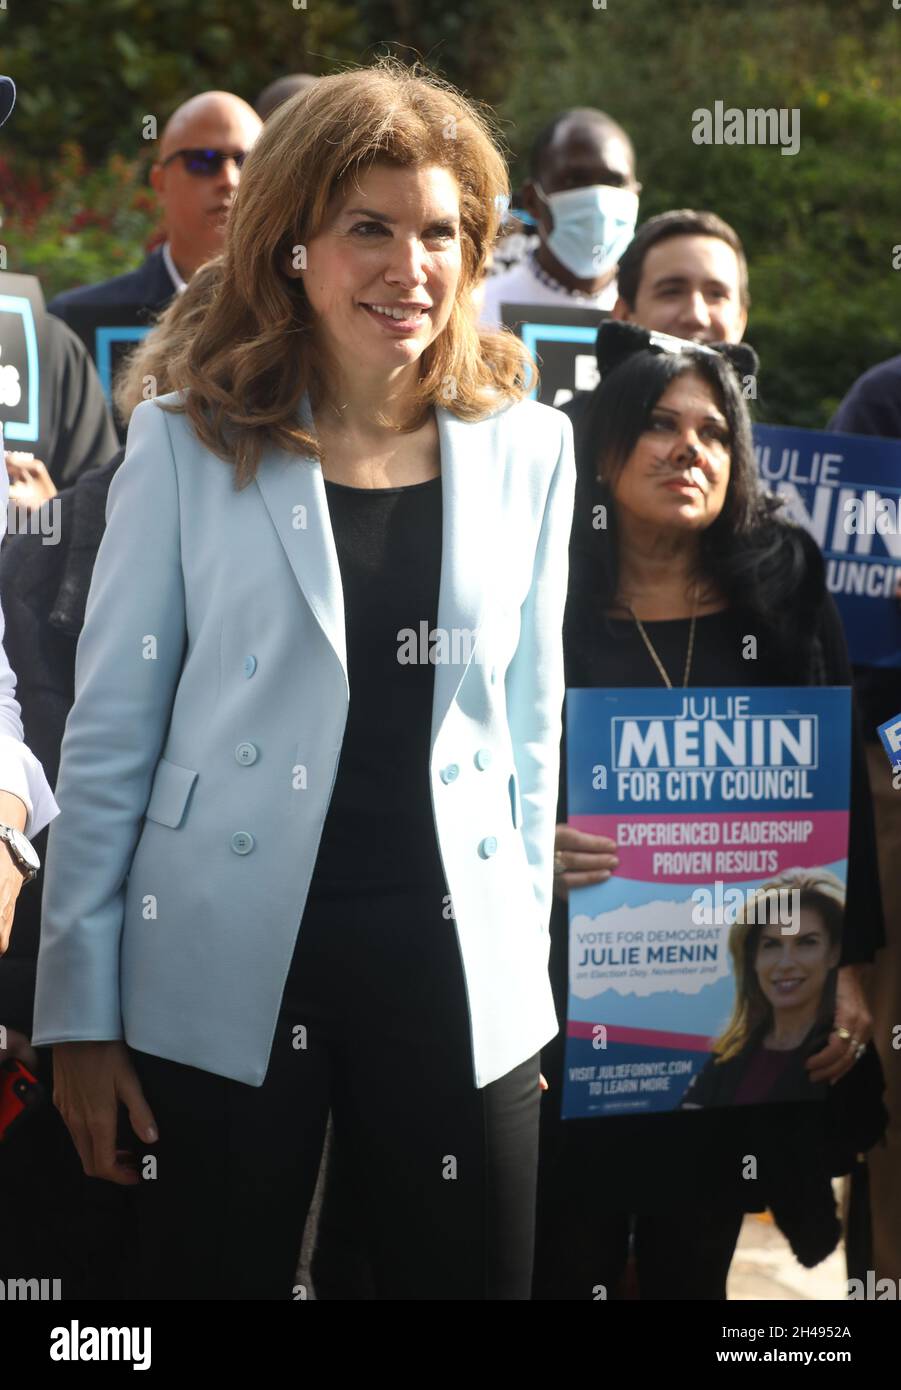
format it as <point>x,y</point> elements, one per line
<point>483,758</point>
<point>493,675</point>
<point>488,847</point>
<point>250,665</point>
<point>246,753</point>
<point>449,773</point>
<point>242,842</point>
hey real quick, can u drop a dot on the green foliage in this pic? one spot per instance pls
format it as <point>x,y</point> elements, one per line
<point>819,227</point>
<point>90,70</point>
<point>95,222</point>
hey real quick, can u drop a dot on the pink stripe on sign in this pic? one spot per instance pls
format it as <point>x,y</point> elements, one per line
<point>643,1037</point>
<point>721,845</point>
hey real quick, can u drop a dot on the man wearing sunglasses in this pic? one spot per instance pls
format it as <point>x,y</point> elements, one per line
<point>195,178</point>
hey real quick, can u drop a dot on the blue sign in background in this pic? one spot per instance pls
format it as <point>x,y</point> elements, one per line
<point>820,473</point>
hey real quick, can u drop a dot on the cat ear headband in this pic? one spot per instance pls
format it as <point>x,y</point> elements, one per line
<point>617,341</point>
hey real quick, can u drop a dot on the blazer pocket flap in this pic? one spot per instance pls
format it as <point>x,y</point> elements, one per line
<point>169,795</point>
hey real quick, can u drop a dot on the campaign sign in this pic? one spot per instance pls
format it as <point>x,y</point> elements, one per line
<point>702,971</point>
<point>109,332</point>
<point>846,490</point>
<point>21,315</point>
<point>562,341</point>
<point>890,733</point>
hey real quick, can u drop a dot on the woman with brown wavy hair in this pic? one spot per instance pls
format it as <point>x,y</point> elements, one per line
<point>308,784</point>
<point>784,966</point>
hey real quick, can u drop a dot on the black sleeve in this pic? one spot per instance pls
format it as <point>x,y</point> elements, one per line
<point>873,405</point>
<point>864,925</point>
<point>83,433</point>
<point>703,1088</point>
<point>17,979</point>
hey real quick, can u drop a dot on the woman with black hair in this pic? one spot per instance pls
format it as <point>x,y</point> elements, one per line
<point>684,572</point>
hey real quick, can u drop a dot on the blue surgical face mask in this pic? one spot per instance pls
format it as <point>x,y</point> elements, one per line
<point>592,226</point>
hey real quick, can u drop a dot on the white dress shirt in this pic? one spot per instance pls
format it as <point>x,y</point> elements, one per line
<point>20,771</point>
<point>180,284</point>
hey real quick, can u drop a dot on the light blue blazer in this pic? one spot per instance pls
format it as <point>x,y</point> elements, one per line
<point>211,695</point>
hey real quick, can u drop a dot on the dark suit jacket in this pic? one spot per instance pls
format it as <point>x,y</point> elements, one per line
<point>149,287</point>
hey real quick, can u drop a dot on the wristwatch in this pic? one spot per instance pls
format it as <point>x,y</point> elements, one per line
<point>22,851</point>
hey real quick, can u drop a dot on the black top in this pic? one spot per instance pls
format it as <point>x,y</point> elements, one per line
<point>379,833</point>
<point>618,657</point>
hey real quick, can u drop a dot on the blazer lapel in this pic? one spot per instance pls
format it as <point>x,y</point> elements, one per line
<point>470,483</point>
<point>293,490</point>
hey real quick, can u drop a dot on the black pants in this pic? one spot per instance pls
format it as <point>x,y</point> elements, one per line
<point>682,1248</point>
<point>374,1025</point>
<point>651,1187</point>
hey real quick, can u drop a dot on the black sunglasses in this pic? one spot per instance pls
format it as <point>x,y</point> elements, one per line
<point>205,164</point>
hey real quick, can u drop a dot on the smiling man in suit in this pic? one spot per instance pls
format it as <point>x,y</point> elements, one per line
<point>195,178</point>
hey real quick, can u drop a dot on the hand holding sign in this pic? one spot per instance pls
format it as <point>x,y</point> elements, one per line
<point>580,859</point>
<point>852,1028</point>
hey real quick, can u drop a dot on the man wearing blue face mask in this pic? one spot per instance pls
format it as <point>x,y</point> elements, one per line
<point>583,195</point>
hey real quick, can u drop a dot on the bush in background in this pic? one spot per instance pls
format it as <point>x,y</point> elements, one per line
<point>91,224</point>
<point>820,226</point>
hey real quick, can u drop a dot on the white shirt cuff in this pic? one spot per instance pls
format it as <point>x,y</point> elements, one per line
<point>23,776</point>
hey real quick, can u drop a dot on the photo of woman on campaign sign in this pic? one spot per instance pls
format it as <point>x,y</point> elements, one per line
<point>784,994</point>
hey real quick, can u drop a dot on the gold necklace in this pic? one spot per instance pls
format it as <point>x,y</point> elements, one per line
<point>650,646</point>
